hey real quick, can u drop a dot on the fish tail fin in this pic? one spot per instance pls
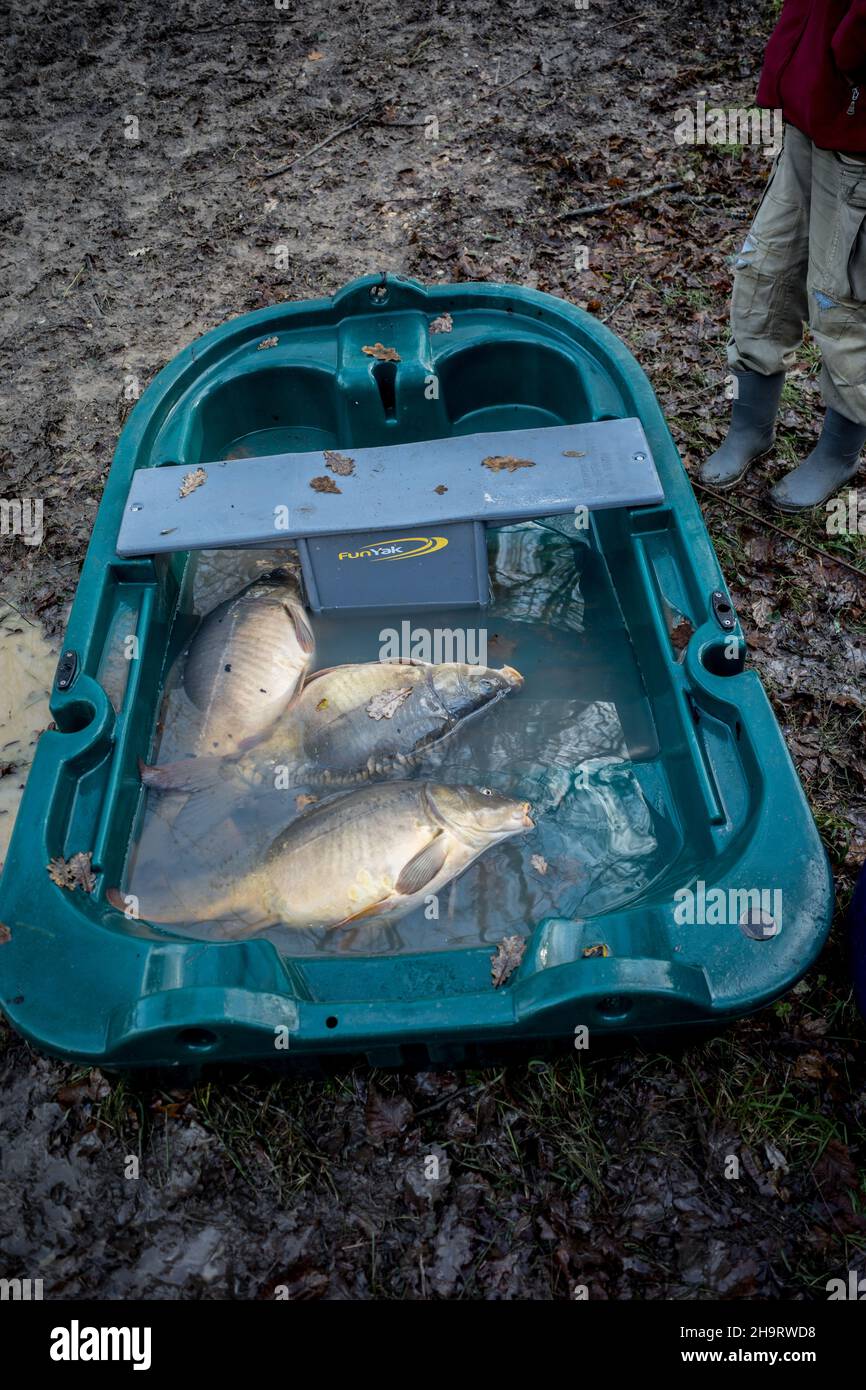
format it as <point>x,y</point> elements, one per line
<point>187,775</point>
<point>168,909</point>
<point>276,760</point>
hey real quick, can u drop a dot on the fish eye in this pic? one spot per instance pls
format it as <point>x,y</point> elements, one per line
<point>485,791</point>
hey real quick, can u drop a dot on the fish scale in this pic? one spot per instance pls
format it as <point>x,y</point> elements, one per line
<point>329,734</point>
<point>376,851</point>
<point>245,663</point>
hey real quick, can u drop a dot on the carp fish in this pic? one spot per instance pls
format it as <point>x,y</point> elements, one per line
<point>377,851</point>
<point>246,661</point>
<point>354,722</point>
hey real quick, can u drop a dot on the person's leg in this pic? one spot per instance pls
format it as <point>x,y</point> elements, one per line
<point>837,318</point>
<point>768,309</point>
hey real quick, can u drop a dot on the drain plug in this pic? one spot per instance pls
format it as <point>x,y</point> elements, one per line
<point>759,925</point>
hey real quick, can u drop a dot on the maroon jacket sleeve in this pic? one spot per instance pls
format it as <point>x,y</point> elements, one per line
<point>849,41</point>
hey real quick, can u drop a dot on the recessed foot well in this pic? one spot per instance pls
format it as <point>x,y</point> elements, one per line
<point>726,658</point>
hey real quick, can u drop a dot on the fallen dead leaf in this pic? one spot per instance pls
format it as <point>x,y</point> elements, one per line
<point>323,704</point>
<point>324,484</point>
<point>87,1089</point>
<point>58,872</point>
<point>191,481</point>
<point>499,463</point>
<point>809,1067</point>
<point>314,56</point>
<point>386,1116</point>
<point>82,872</point>
<point>509,954</point>
<point>440,489</point>
<point>443,324</point>
<point>340,464</point>
<point>73,873</point>
<point>382,353</point>
<point>597,949</point>
<point>814,1026</point>
<point>681,634</point>
<point>762,610</point>
<point>267,343</point>
<point>386,704</point>
<point>5,934</point>
<point>574,453</point>
<point>302,800</point>
<point>539,863</point>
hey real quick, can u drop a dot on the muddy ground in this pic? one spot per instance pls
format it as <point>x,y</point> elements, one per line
<point>116,251</point>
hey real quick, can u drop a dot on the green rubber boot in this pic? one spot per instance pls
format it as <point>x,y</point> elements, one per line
<point>752,430</point>
<point>832,463</point>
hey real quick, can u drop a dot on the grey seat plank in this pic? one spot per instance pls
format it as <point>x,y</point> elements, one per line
<point>266,500</point>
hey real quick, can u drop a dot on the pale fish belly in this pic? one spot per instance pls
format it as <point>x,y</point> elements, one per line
<point>347,858</point>
<point>243,678</point>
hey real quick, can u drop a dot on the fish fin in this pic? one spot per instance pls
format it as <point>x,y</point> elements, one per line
<point>396,661</point>
<point>212,827</point>
<point>322,671</point>
<point>174,912</point>
<point>422,867</point>
<point>372,911</point>
<point>246,922</point>
<point>239,930</point>
<point>303,632</point>
<point>244,745</point>
<point>187,775</point>
<point>118,900</point>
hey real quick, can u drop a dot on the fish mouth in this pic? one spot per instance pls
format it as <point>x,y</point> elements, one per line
<point>278,574</point>
<point>512,676</point>
<point>528,823</point>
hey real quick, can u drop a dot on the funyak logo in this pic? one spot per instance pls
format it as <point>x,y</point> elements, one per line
<point>77,1343</point>
<point>394,550</point>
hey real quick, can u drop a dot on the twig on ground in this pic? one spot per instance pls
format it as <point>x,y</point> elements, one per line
<point>88,259</point>
<point>74,281</point>
<point>10,604</point>
<point>619,303</point>
<point>592,208</point>
<point>334,135</point>
<point>524,72</point>
<point>452,1095</point>
<point>762,520</point>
